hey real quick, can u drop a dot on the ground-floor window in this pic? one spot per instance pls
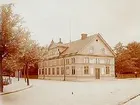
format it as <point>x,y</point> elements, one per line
<point>42,71</point>
<point>62,70</point>
<point>49,71</point>
<point>53,71</point>
<point>86,70</point>
<point>57,70</point>
<point>107,70</point>
<point>39,71</point>
<point>73,70</point>
<point>46,71</point>
<point>67,70</point>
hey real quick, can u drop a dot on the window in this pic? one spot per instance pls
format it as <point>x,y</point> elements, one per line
<point>97,60</point>
<point>86,69</point>
<point>53,71</point>
<point>107,70</point>
<point>103,50</point>
<point>92,60</point>
<point>102,61</point>
<point>39,64</point>
<point>96,40</point>
<point>62,70</point>
<point>57,62</point>
<point>72,60</point>
<point>67,61</point>
<point>73,70</point>
<point>57,70</point>
<point>46,71</point>
<point>49,71</point>
<point>39,71</point>
<point>42,71</point>
<point>86,60</point>
<point>62,61</point>
<point>107,61</point>
<point>48,63</point>
<point>91,50</point>
<point>45,63</point>
<point>67,70</point>
<point>53,62</point>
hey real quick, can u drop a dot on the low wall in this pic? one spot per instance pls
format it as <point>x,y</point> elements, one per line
<point>33,76</point>
<point>75,78</point>
<point>128,76</point>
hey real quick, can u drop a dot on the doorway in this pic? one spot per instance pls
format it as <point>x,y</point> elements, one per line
<point>97,73</point>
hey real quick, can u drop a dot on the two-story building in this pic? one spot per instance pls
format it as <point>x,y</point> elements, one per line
<point>87,58</point>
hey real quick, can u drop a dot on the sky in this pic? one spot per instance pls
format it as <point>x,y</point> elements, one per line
<point>116,20</point>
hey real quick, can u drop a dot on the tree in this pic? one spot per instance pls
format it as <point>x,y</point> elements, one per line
<point>134,50</point>
<point>29,56</point>
<point>11,33</point>
<point>128,58</point>
<point>119,48</point>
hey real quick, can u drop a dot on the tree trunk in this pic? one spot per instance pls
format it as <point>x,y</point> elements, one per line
<point>18,75</point>
<point>27,75</point>
<point>24,73</point>
<point>9,78</point>
<point>1,78</point>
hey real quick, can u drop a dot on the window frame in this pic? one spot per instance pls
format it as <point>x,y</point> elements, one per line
<point>86,69</point>
<point>53,71</point>
<point>57,71</point>
<point>73,70</point>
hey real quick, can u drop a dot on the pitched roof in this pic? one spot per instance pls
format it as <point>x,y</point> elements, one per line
<point>75,46</point>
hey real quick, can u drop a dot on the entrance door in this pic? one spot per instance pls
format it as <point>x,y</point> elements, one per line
<point>97,73</point>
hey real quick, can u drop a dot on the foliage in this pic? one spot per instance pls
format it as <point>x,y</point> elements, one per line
<point>128,58</point>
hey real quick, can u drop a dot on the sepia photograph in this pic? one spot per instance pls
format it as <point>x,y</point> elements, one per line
<point>69,52</point>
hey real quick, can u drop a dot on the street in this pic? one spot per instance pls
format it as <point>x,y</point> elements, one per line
<point>96,92</point>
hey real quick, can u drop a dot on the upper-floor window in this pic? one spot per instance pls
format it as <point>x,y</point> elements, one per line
<point>86,60</point>
<point>97,60</point>
<point>107,61</point>
<point>39,64</point>
<point>54,62</point>
<point>102,61</point>
<point>62,61</point>
<point>92,60</point>
<point>57,62</point>
<point>72,60</point>
<point>67,61</point>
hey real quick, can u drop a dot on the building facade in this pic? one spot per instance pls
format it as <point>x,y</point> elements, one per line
<point>87,58</point>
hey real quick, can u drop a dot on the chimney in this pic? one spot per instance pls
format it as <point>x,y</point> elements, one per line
<point>83,36</point>
<point>60,42</point>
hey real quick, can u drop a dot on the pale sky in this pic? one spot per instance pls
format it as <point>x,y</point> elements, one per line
<point>116,20</point>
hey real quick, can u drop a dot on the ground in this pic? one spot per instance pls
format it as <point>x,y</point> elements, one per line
<point>96,92</point>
